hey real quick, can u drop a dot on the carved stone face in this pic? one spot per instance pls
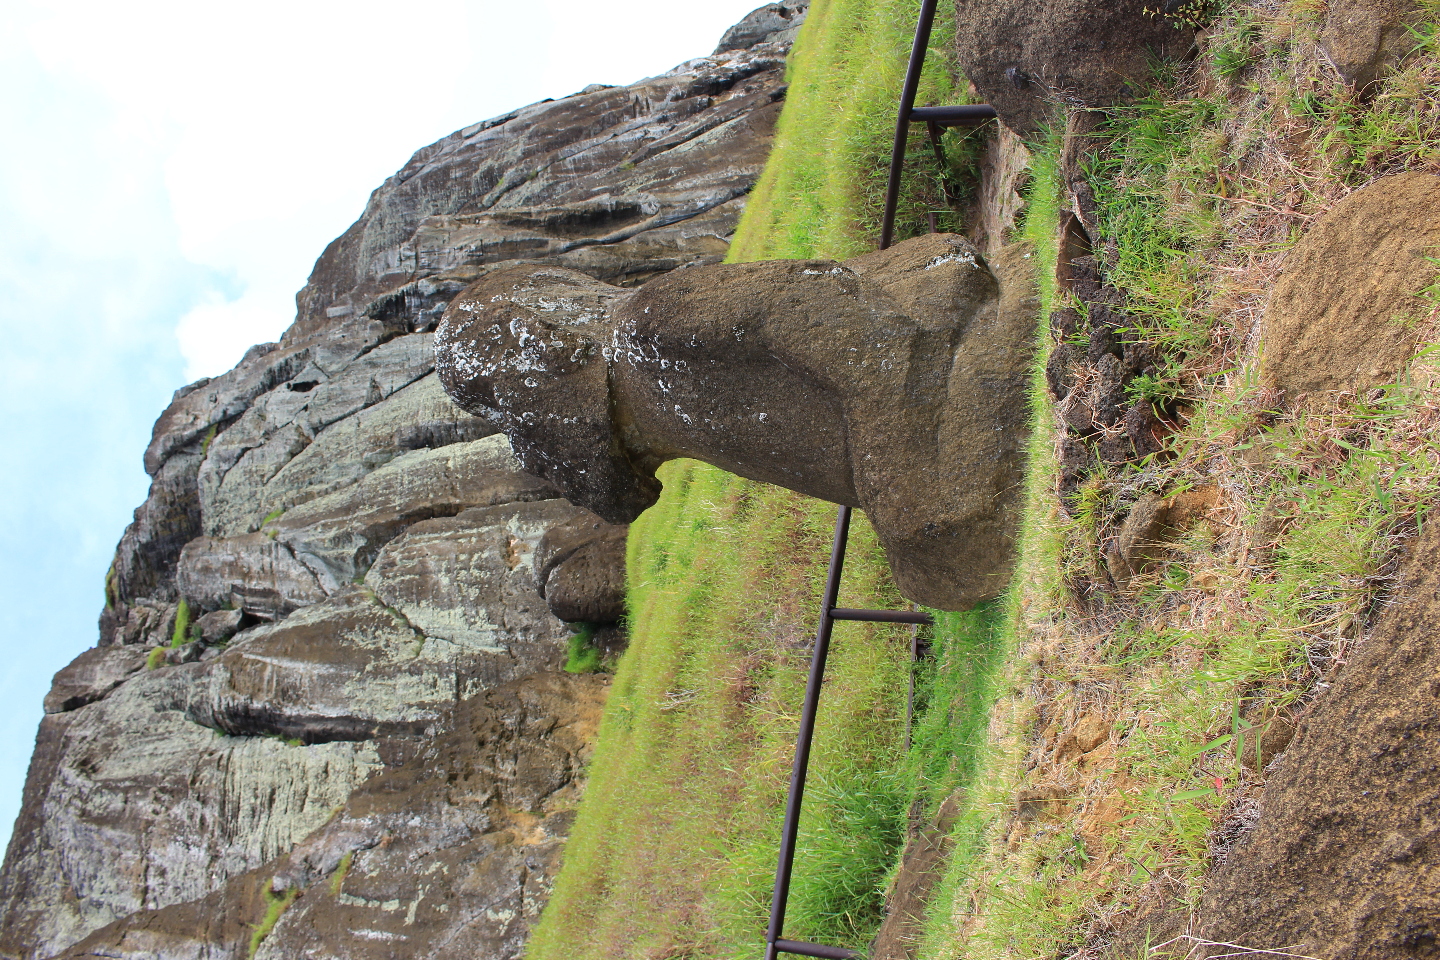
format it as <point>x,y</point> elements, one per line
<point>894,382</point>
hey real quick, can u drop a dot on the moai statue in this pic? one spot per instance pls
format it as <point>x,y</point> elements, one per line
<point>895,382</point>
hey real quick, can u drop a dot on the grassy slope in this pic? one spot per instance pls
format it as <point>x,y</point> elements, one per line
<point>1204,185</point>
<point>673,849</point>
<point>1192,672</point>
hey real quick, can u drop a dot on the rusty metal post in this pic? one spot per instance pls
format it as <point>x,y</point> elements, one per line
<point>902,122</point>
<point>807,731</point>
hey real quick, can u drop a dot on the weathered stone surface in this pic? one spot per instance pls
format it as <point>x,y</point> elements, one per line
<point>421,861</point>
<point>895,383</point>
<point>1151,526</point>
<point>1029,59</point>
<point>469,580</point>
<point>138,807</point>
<point>91,676</point>
<point>253,573</point>
<point>580,570</point>
<point>241,479</point>
<point>338,536</point>
<point>772,22</point>
<point>1345,860</point>
<point>1364,39</point>
<point>1345,313</point>
<point>220,625</point>
<point>144,621</point>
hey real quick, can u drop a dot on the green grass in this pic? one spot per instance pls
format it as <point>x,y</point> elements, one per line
<point>694,750</point>
<point>822,191</point>
<point>337,879</point>
<point>582,656</point>
<point>1203,183</point>
<point>182,625</point>
<point>725,575</point>
<point>275,906</point>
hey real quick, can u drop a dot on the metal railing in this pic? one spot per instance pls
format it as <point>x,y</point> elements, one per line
<point>935,118</point>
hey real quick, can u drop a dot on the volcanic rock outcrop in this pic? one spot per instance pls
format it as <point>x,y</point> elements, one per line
<point>325,669</point>
<point>894,382</point>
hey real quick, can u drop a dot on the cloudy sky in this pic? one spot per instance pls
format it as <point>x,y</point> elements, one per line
<point>169,171</point>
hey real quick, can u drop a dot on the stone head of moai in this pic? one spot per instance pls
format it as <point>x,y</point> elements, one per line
<point>895,382</point>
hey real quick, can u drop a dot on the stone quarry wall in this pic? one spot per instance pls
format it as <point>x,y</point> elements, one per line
<point>366,708</point>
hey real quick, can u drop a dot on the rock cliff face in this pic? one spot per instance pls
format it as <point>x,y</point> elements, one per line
<point>327,687</point>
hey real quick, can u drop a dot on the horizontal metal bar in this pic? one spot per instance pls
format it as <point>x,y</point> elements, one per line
<point>881,616</point>
<point>814,950</point>
<point>970,114</point>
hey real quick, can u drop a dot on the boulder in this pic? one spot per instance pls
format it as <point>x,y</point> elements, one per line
<point>1365,39</point>
<point>220,625</point>
<point>895,382</point>
<point>1027,59</point>
<point>580,570</point>
<point>1346,312</point>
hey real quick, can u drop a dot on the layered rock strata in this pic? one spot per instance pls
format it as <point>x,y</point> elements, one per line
<point>894,382</point>
<point>323,655</point>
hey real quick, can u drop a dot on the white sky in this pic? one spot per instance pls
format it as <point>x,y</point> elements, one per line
<point>169,172</point>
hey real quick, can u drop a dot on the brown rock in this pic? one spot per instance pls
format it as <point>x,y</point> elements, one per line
<point>1343,315</point>
<point>895,382</point>
<point>92,675</point>
<point>1153,522</point>
<point>1345,861</point>
<point>1364,39</point>
<point>1026,59</point>
<point>580,570</point>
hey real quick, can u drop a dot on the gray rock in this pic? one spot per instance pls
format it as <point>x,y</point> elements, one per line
<point>774,21</point>
<point>452,853</point>
<point>220,625</point>
<point>1028,59</point>
<point>469,580</point>
<point>338,536</point>
<point>92,675</point>
<point>895,382</point>
<point>138,807</point>
<point>253,573</point>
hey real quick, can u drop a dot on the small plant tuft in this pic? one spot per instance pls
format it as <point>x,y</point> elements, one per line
<point>337,879</point>
<point>275,906</point>
<point>182,624</point>
<point>583,656</point>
